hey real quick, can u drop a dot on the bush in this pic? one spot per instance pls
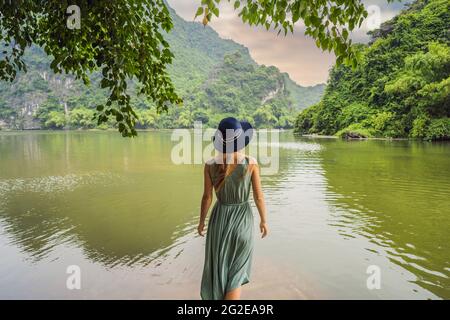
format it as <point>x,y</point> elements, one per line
<point>354,113</point>
<point>439,129</point>
<point>264,117</point>
<point>147,118</point>
<point>420,126</point>
<point>395,129</point>
<point>55,120</point>
<point>355,130</point>
<point>82,118</point>
<point>305,120</point>
<point>380,121</point>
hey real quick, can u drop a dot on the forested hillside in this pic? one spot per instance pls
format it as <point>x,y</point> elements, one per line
<point>215,77</point>
<point>402,86</point>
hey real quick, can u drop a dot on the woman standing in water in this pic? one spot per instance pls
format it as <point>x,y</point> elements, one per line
<point>229,237</point>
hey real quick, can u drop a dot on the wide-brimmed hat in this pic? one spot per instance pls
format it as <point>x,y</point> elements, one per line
<point>232,135</point>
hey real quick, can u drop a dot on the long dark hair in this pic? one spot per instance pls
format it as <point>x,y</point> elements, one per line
<point>226,168</point>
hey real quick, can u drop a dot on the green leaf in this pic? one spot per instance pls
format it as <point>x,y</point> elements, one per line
<point>351,25</point>
<point>199,12</point>
<point>104,83</point>
<point>345,33</point>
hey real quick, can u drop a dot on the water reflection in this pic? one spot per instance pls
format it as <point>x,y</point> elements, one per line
<point>397,194</point>
<point>113,198</point>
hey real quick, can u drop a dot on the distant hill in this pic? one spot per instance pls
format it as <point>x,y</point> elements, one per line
<point>215,77</point>
<point>303,97</point>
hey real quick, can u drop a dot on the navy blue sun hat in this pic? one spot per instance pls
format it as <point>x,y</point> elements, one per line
<point>232,135</point>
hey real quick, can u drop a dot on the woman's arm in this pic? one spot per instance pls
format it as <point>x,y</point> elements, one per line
<point>258,197</point>
<point>206,199</point>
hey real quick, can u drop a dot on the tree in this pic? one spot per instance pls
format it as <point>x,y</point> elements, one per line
<point>81,117</point>
<point>125,39</point>
<point>147,118</point>
<point>264,116</point>
<point>55,120</point>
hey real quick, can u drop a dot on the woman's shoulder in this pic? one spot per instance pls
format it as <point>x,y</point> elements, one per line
<point>251,160</point>
<point>248,159</point>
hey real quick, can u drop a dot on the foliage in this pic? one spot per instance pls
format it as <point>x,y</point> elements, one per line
<point>303,97</point>
<point>305,120</point>
<point>355,130</point>
<point>402,85</point>
<point>51,114</point>
<point>55,120</point>
<point>327,22</point>
<point>439,129</point>
<point>82,117</point>
<point>215,77</point>
<point>354,113</point>
<point>420,127</point>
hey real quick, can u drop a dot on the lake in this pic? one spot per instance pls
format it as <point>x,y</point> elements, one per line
<point>123,212</point>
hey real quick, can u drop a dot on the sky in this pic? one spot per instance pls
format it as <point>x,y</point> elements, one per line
<point>295,53</point>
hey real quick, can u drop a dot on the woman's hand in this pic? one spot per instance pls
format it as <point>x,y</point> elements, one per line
<point>264,229</point>
<point>201,226</point>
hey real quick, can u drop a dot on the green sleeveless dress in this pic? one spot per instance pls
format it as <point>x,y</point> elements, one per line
<point>229,236</point>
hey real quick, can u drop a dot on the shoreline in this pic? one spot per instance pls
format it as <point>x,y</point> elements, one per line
<point>344,139</point>
<point>115,130</point>
<point>312,136</point>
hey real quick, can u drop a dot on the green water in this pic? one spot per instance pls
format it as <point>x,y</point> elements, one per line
<point>124,213</point>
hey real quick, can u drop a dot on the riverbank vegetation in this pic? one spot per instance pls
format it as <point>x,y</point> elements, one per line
<point>401,88</point>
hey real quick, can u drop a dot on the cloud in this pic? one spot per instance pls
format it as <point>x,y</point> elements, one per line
<point>295,53</point>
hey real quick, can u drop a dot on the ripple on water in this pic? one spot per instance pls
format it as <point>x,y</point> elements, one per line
<point>56,184</point>
<point>58,230</point>
<point>300,146</point>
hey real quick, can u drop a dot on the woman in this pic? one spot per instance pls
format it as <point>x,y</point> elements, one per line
<point>229,238</point>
